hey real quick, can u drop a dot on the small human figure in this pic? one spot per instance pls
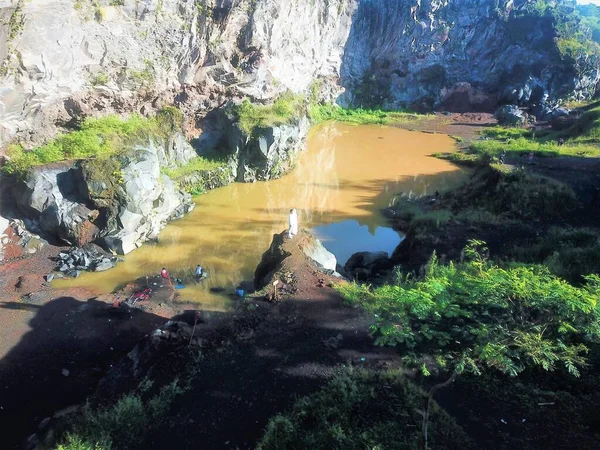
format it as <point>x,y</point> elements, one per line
<point>164,273</point>
<point>530,158</point>
<point>198,271</point>
<point>502,156</point>
<point>293,222</point>
<point>561,141</point>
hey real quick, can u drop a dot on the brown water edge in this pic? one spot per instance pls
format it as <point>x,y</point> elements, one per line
<point>341,182</point>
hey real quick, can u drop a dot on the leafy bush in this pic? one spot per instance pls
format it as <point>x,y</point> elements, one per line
<point>360,410</point>
<point>475,316</point>
<point>124,425</point>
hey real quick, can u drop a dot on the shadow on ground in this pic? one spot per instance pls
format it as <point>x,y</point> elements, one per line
<point>83,338</point>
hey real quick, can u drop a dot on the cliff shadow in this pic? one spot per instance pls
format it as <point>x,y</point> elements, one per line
<point>70,346</point>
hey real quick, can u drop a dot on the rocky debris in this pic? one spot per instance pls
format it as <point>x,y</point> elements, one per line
<point>364,265</point>
<point>72,262</point>
<point>4,238</point>
<point>18,240</point>
<point>511,115</point>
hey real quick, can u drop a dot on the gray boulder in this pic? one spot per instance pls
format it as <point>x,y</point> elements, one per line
<point>510,115</point>
<point>363,265</point>
<point>266,154</point>
<point>53,197</point>
<point>314,249</point>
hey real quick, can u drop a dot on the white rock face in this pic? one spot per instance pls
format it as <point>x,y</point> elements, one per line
<point>159,45</point>
<point>130,58</point>
<point>314,250</point>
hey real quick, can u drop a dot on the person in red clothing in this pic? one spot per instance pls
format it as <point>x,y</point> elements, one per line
<point>164,273</point>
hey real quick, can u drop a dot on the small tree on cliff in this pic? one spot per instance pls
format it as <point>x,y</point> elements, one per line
<point>476,316</point>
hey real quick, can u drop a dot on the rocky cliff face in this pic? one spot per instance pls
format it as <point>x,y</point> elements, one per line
<point>67,58</point>
<point>458,55</point>
<point>122,202</point>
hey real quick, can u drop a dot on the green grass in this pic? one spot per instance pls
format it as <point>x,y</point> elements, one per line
<point>125,424</point>
<point>199,164</point>
<point>569,253</point>
<point>97,136</point>
<point>517,195</point>
<point>286,108</point>
<point>494,195</point>
<point>322,113</point>
<point>581,139</point>
<point>358,410</point>
<point>200,174</point>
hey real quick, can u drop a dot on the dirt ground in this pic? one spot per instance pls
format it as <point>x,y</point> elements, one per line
<point>56,344</point>
<point>265,356</point>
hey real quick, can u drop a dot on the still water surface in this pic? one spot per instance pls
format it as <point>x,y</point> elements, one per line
<point>345,177</point>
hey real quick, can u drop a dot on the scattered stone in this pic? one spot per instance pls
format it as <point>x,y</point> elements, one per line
<point>103,265</point>
<point>91,258</point>
<point>65,372</point>
<point>49,277</point>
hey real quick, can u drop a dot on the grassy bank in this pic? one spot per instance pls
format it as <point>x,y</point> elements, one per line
<point>322,113</point>
<point>95,137</point>
<point>580,139</point>
<point>289,106</point>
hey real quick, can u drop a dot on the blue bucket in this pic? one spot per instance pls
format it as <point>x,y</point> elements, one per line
<point>240,293</point>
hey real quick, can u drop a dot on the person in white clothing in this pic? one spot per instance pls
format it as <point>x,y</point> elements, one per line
<point>293,230</point>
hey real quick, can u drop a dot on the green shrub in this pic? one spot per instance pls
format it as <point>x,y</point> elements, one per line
<point>99,79</point>
<point>358,410</point>
<point>123,425</point>
<point>74,442</point>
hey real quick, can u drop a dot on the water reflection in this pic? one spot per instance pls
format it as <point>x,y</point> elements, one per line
<point>346,176</point>
<point>345,238</point>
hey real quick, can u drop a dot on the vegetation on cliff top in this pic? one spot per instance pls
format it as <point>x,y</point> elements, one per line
<point>96,136</point>
<point>290,106</point>
<point>286,108</point>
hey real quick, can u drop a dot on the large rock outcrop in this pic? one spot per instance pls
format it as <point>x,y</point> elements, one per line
<point>265,153</point>
<point>63,59</point>
<point>122,202</point>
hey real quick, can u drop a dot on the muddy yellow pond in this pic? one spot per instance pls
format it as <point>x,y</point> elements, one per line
<point>341,182</point>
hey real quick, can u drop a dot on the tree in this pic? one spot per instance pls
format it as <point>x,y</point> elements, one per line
<point>477,316</point>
